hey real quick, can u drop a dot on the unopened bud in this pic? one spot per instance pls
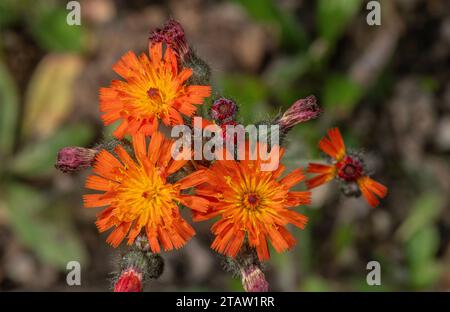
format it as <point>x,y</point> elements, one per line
<point>172,34</point>
<point>302,110</point>
<point>223,110</point>
<point>72,159</point>
<point>253,279</point>
<point>130,280</point>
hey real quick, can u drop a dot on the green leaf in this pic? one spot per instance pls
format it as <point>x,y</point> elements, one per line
<point>333,17</point>
<point>292,34</point>
<point>315,284</point>
<point>343,237</point>
<point>425,211</point>
<point>9,107</point>
<point>341,93</point>
<point>284,74</point>
<point>48,99</point>
<point>39,158</point>
<point>250,92</point>
<point>421,250</point>
<point>426,276</point>
<point>51,239</point>
<point>50,29</point>
<point>234,284</point>
<point>422,246</point>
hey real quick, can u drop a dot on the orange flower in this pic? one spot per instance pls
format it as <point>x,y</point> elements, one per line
<point>138,195</point>
<point>346,167</point>
<point>253,204</point>
<point>154,90</point>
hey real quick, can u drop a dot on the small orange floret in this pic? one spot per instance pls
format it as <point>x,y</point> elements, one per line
<point>154,89</point>
<point>347,168</point>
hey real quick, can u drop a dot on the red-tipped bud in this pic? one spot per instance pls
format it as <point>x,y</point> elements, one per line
<point>253,279</point>
<point>130,280</point>
<point>73,158</point>
<point>172,34</point>
<point>223,110</point>
<point>302,110</point>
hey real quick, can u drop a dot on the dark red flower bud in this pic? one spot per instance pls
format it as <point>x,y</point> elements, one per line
<point>73,158</point>
<point>223,110</point>
<point>253,279</point>
<point>172,34</point>
<point>302,110</point>
<point>129,280</point>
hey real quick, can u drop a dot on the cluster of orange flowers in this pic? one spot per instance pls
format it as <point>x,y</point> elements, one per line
<point>142,188</point>
<point>254,205</point>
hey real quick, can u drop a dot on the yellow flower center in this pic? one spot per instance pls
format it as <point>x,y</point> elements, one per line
<point>144,196</point>
<point>253,194</point>
<point>157,94</point>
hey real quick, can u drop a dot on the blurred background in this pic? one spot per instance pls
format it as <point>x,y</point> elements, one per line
<point>387,87</point>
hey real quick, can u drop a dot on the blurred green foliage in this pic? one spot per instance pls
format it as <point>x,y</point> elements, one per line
<point>29,208</point>
<point>293,36</point>
<point>340,94</point>
<point>421,238</point>
<point>281,82</point>
<point>46,21</point>
<point>51,30</point>
<point>43,226</point>
<point>333,17</point>
<point>251,94</point>
<point>52,239</point>
<point>8,110</point>
<point>33,127</point>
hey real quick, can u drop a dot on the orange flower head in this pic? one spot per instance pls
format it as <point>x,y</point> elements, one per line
<point>138,196</point>
<point>345,166</point>
<point>154,89</point>
<point>254,205</point>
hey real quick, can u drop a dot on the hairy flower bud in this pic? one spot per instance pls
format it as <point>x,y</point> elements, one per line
<point>155,265</point>
<point>201,73</point>
<point>249,268</point>
<point>223,110</point>
<point>302,110</point>
<point>130,280</point>
<point>172,34</point>
<point>253,279</point>
<point>73,158</point>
